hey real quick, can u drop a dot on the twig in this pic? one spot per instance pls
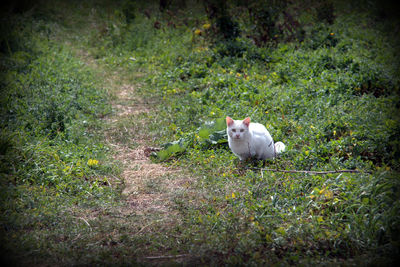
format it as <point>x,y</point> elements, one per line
<point>310,172</point>
<point>166,257</point>
<point>83,219</point>
<point>144,227</point>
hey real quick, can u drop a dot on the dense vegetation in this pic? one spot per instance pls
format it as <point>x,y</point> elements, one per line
<point>323,76</point>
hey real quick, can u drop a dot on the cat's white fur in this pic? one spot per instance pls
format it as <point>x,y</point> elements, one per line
<point>251,140</point>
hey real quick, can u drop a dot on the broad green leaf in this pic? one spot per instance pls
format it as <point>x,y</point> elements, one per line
<point>204,133</point>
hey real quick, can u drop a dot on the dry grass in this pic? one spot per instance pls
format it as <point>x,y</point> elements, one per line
<point>150,189</point>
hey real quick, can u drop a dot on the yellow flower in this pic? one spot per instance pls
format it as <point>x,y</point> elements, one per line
<point>331,34</point>
<point>92,162</point>
<point>328,194</point>
<point>197,32</point>
<point>207,26</point>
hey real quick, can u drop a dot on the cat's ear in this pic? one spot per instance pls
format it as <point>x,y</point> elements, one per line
<point>246,121</point>
<point>229,121</point>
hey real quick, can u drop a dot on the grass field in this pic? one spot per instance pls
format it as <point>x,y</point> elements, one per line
<point>88,89</point>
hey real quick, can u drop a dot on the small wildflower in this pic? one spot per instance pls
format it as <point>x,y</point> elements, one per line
<point>233,195</point>
<point>92,162</point>
<point>197,32</point>
<point>328,194</point>
<point>207,26</point>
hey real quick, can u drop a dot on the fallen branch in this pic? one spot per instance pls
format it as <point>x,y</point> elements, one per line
<point>144,227</point>
<point>87,223</point>
<point>310,172</point>
<point>166,257</point>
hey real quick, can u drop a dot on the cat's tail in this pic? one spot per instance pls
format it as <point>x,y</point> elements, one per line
<point>279,148</point>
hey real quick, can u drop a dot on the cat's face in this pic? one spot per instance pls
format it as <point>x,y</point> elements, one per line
<point>237,129</point>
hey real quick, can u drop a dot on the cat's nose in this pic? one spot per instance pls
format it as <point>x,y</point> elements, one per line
<point>237,136</point>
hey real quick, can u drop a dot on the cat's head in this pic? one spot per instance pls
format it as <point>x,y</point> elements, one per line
<point>237,129</point>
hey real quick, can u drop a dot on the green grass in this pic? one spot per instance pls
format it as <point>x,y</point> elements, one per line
<point>52,155</point>
<point>330,93</point>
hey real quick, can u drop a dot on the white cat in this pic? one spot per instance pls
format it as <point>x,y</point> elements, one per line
<point>251,140</point>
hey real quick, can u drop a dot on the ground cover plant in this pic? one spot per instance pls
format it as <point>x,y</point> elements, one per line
<point>322,76</point>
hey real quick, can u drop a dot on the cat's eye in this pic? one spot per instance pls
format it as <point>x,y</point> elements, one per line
<point>234,130</point>
<point>241,130</point>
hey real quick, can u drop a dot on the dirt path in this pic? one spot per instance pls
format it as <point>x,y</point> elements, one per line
<point>150,189</point>
<point>148,186</point>
<point>145,189</point>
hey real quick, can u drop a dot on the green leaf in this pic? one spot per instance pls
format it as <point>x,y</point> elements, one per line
<point>176,148</point>
<point>220,124</point>
<point>219,137</point>
<point>204,133</point>
<point>163,155</point>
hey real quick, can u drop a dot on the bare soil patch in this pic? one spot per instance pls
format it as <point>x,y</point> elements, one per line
<point>148,188</point>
